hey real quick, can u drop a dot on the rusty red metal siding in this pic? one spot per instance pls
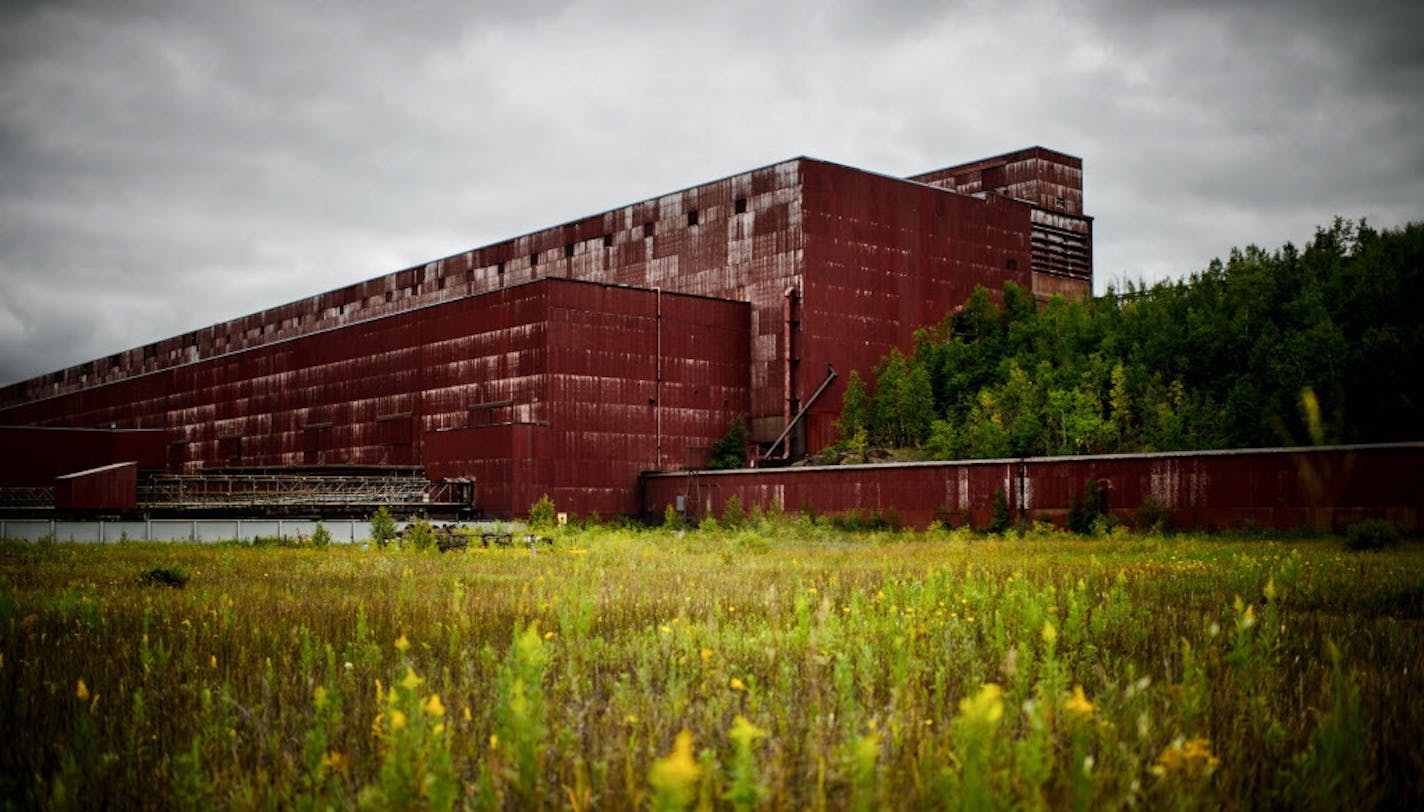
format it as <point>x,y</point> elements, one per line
<point>884,258</point>
<point>551,387</point>
<point>1062,237</point>
<point>111,487</point>
<point>35,456</point>
<point>607,403</point>
<point>1329,488</point>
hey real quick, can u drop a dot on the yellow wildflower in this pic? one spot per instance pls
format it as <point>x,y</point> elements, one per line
<point>1270,590</point>
<point>412,680</point>
<point>433,706</point>
<point>1078,704</point>
<point>212,661</point>
<point>744,730</point>
<point>1192,757</point>
<point>402,644</point>
<point>81,692</point>
<point>707,654</point>
<point>397,720</point>
<point>737,685</point>
<point>334,761</point>
<point>1050,634</point>
<point>986,707</point>
<point>675,775</point>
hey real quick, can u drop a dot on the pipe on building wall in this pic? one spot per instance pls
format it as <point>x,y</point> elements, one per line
<point>788,337</point>
<point>658,381</point>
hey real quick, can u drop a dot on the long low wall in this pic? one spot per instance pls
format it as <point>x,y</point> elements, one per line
<point>1280,488</point>
<point>343,531</point>
<point>202,530</point>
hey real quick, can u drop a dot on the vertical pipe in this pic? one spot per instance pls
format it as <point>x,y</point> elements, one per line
<point>787,410</point>
<point>658,382</point>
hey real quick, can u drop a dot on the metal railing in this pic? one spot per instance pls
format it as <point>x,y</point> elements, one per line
<point>266,490</point>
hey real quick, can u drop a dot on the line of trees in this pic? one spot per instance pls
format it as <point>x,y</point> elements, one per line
<point>1241,354</point>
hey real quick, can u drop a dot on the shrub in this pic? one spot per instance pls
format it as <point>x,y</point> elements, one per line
<point>733,515</point>
<point>321,537</point>
<point>1085,509</point>
<point>1000,521</point>
<point>673,519</point>
<point>859,520</point>
<point>1153,516</point>
<point>731,450</point>
<point>383,526</point>
<point>1373,534</point>
<point>164,576</point>
<point>542,514</point>
<point>419,535</point>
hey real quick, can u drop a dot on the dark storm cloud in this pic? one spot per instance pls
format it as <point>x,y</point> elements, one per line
<point>167,165</point>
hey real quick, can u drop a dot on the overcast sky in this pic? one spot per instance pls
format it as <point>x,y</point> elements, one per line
<point>167,165</point>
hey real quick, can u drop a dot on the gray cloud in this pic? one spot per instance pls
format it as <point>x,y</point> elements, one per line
<point>167,165</point>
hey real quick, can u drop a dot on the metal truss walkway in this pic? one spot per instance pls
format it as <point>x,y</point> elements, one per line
<point>403,494</point>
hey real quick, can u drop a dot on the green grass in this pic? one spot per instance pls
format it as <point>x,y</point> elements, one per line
<point>809,668</point>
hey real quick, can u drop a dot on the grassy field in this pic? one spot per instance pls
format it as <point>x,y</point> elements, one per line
<point>783,666</point>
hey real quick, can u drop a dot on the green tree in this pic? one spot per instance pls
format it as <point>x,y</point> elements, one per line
<point>855,409</point>
<point>1211,361</point>
<point>902,407</point>
<point>731,450</point>
<point>383,526</point>
<point>543,514</point>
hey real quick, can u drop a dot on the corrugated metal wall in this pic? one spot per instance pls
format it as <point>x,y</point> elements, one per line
<point>885,258</point>
<point>111,487</point>
<point>1263,488</point>
<point>575,364</point>
<point>35,456</point>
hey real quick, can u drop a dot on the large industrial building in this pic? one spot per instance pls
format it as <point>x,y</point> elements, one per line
<point>562,362</point>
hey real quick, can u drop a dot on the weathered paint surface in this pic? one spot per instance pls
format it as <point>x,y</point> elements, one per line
<point>1329,488</point>
<point>33,455</point>
<point>565,374</point>
<point>111,487</point>
<point>1052,183</point>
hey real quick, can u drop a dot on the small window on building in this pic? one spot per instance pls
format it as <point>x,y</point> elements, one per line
<point>534,258</point>
<point>1011,263</point>
<point>741,205</point>
<point>607,240</point>
<point>1060,202</point>
<point>692,217</point>
<point>568,250</point>
<point>499,269</point>
<point>442,283</point>
<point>411,291</point>
<point>390,295</point>
<point>647,229</point>
<point>341,310</point>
